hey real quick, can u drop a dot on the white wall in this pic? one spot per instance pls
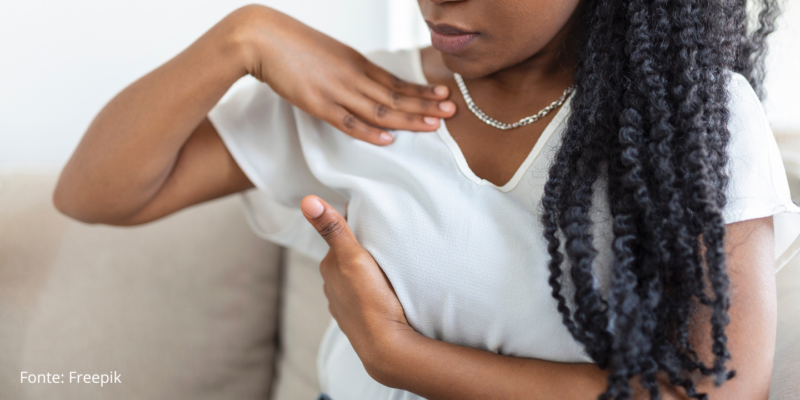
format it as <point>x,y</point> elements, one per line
<point>783,78</point>
<point>406,26</point>
<point>61,61</point>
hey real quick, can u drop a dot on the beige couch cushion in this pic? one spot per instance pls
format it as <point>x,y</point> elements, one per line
<point>786,369</point>
<point>184,308</point>
<point>304,318</point>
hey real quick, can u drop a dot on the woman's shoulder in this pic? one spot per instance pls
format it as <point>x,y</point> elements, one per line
<point>743,102</point>
<point>405,64</point>
<point>751,134</point>
<point>758,185</point>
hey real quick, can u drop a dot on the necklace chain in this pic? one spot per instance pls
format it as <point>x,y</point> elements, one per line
<point>501,125</point>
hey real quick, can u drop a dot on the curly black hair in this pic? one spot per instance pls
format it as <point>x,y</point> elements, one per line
<point>650,115</point>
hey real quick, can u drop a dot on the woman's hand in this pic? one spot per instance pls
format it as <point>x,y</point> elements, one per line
<point>335,83</point>
<point>360,297</point>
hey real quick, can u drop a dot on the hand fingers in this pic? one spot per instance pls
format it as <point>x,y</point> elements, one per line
<point>330,225</point>
<point>378,114</point>
<point>407,104</point>
<point>348,123</point>
<point>380,75</point>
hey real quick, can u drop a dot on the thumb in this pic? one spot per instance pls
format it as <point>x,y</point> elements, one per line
<point>329,223</point>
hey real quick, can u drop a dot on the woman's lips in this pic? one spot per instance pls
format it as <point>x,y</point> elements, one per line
<point>449,39</point>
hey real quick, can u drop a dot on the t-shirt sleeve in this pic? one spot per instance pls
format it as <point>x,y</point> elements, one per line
<point>259,129</point>
<point>758,186</point>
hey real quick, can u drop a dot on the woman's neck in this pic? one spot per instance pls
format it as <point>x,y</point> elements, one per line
<point>508,95</point>
<point>537,79</point>
<point>514,92</point>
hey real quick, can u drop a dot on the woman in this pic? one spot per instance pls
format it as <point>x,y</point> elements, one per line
<point>650,177</point>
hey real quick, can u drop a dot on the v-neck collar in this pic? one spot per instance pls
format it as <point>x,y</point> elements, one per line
<point>444,134</point>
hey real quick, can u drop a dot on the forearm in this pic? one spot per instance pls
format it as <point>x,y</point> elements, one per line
<point>403,358</point>
<point>130,148</point>
<point>439,371</point>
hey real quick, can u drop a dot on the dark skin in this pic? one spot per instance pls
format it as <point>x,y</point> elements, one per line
<point>491,154</point>
<point>522,60</point>
<point>151,152</point>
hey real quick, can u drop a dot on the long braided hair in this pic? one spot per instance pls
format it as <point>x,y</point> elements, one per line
<point>650,115</point>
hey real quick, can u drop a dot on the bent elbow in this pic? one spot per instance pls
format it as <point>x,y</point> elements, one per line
<point>67,200</point>
<point>69,206</point>
<point>83,209</point>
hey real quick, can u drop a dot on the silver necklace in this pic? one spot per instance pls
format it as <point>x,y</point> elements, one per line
<point>501,125</point>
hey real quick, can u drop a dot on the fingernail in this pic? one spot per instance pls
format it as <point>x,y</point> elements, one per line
<point>312,207</point>
<point>447,106</point>
<point>431,120</point>
<point>386,137</point>
<point>440,90</point>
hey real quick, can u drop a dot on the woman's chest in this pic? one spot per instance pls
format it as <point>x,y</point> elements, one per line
<point>469,267</point>
<point>490,153</point>
<point>467,260</point>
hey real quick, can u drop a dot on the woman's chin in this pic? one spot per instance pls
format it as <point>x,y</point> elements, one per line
<point>468,67</point>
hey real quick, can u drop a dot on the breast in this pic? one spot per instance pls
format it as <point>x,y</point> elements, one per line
<point>468,262</point>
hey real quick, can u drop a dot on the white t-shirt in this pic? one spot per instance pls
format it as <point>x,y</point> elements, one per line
<point>467,258</point>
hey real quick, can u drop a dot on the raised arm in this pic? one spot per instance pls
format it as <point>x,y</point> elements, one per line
<point>146,151</point>
<point>151,151</point>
